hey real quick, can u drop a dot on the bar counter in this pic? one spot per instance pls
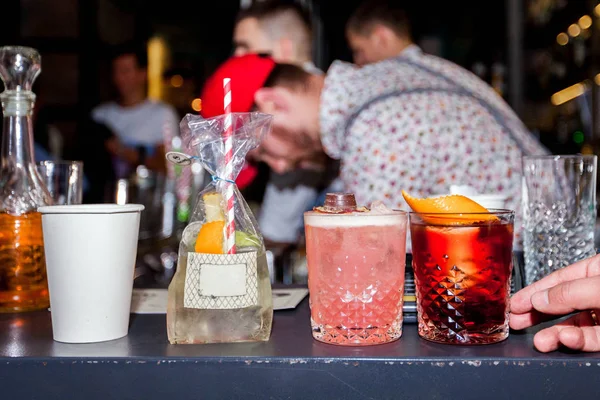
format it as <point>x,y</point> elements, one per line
<point>291,365</point>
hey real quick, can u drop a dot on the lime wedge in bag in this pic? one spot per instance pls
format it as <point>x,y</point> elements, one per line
<point>243,239</point>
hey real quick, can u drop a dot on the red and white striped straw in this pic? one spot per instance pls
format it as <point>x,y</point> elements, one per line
<point>228,136</point>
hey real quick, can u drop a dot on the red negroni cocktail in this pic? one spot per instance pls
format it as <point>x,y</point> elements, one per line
<point>463,266</point>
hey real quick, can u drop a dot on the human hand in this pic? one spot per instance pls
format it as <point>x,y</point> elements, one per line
<point>118,149</point>
<point>574,288</point>
<point>112,145</point>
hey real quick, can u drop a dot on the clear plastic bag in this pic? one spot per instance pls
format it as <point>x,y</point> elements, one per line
<point>215,296</point>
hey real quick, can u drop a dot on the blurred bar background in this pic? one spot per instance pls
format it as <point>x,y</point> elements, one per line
<point>541,55</point>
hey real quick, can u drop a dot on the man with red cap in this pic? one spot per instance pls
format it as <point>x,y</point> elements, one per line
<point>415,122</point>
<point>287,198</point>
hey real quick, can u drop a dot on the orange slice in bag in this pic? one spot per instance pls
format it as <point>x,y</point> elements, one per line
<point>210,238</point>
<point>449,210</point>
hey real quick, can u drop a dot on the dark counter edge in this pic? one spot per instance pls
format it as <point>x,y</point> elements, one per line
<point>353,361</point>
<point>289,378</point>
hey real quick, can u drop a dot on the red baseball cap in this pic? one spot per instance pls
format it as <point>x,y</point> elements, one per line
<point>248,73</point>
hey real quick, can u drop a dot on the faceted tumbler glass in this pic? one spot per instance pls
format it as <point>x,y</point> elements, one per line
<point>356,268</point>
<point>559,203</point>
<point>462,275</point>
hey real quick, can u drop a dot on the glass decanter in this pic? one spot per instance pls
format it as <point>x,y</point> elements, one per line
<point>23,284</point>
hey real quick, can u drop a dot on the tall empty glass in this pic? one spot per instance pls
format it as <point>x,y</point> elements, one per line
<point>559,201</point>
<point>64,180</point>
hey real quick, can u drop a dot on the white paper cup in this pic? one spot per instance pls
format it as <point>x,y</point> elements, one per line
<point>90,260</point>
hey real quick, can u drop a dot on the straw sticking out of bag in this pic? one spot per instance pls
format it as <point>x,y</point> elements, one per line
<point>229,199</point>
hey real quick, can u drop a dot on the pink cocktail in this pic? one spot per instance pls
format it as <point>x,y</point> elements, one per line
<point>356,276</point>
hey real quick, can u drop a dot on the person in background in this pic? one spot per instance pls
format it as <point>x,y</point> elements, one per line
<point>414,122</point>
<point>283,31</point>
<point>378,30</point>
<point>138,123</point>
<point>379,34</point>
<point>571,290</point>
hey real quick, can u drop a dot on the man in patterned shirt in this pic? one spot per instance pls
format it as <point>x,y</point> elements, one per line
<point>414,122</point>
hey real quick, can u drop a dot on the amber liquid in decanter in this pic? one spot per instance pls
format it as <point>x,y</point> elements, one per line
<point>23,283</point>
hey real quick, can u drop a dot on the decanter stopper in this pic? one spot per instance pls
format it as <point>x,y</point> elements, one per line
<point>19,66</point>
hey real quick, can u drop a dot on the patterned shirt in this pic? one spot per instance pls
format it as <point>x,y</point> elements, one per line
<point>420,123</point>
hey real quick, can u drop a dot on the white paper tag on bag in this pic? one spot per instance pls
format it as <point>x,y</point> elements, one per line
<point>221,281</point>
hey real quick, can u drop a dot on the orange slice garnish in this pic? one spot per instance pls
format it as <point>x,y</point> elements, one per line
<point>449,210</point>
<point>210,238</point>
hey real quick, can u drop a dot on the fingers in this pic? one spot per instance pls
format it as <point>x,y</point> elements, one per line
<point>521,301</point>
<point>522,321</point>
<point>263,94</point>
<point>575,338</point>
<point>576,333</point>
<point>270,99</point>
<point>566,297</point>
<point>547,340</point>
